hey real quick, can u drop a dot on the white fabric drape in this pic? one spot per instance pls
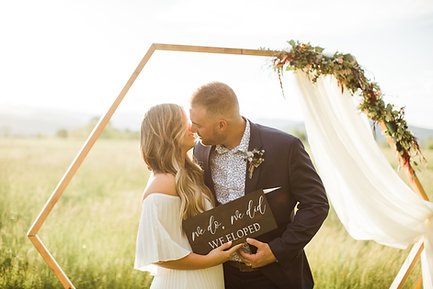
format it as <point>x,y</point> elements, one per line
<point>370,199</point>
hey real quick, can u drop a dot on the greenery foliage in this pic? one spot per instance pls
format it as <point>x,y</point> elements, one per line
<point>350,75</point>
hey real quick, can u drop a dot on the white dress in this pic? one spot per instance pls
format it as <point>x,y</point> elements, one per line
<point>160,238</point>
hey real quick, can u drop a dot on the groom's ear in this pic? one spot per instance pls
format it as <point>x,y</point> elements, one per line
<point>222,124</point>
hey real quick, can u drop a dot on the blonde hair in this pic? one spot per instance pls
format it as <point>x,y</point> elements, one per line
<point>217,98</point>
<point>162,133</point>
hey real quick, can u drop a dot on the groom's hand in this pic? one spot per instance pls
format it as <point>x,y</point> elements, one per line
<point>262,257</point>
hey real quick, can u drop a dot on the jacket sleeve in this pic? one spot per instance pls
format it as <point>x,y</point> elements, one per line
<point>307,190</point>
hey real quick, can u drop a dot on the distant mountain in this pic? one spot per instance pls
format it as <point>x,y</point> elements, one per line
<point>31,121</point>
<point>421,133</point>
<point>281,124</point>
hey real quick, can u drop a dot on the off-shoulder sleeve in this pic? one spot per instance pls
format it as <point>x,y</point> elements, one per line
<point>160,236</point>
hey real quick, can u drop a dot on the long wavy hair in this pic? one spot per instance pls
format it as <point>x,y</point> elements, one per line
<point>162,133</point>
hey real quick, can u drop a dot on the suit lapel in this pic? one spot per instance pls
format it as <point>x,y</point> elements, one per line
<point>202,157</point>
<point>255,143</point>
<point>207,172</point>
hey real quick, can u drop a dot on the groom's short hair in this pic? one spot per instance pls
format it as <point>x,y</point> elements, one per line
<point>217,98</point>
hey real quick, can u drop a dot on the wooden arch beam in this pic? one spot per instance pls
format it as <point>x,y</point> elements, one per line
<point>95,134</point>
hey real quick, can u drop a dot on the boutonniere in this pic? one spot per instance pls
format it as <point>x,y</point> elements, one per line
<point>254,159</point>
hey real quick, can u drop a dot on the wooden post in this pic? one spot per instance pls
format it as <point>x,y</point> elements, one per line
<point>414,255</point>
<point>51,262</point>
<point>408,265</point>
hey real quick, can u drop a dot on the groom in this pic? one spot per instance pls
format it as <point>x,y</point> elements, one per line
<point>276,259</point>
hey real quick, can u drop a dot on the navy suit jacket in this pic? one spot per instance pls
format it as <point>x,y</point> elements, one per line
<point>287,165</point>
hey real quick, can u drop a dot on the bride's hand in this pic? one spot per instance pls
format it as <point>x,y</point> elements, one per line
<point>223,252</point>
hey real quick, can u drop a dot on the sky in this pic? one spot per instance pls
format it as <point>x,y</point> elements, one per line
<point>77,55</point>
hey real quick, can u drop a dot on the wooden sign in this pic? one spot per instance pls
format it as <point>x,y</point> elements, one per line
<point>247,217</point>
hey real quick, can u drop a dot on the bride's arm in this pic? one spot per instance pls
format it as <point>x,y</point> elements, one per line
<point>195,261</point>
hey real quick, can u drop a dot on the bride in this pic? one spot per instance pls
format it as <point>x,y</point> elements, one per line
<point>175,191</point>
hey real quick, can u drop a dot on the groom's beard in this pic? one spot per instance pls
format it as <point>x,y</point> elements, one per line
<point>204,142</point>
<point>215,140</point>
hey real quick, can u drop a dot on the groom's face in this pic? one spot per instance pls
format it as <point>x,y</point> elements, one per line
<point>205,125</point>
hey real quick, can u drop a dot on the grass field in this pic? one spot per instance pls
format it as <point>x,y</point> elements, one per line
<point>92,230</point>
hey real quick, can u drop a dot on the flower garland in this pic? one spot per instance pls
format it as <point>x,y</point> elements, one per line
<point>350,75</point>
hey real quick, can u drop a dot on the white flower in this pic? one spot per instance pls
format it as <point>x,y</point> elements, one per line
<point>328,53</point>
<point>254,158</point>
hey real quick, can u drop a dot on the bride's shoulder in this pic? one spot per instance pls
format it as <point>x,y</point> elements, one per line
<point>162,184</point>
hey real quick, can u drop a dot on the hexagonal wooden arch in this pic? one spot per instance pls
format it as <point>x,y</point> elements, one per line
<point>94,135</point>
<point>96,132</point>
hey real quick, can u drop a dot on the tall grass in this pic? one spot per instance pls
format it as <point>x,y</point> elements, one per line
<point>92,229</point>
